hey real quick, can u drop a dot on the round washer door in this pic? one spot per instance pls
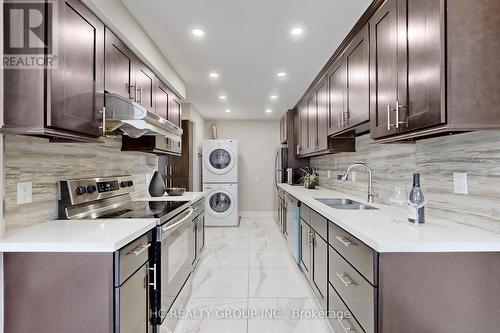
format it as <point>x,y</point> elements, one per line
<point>220,161</point>
<point>220,203</point>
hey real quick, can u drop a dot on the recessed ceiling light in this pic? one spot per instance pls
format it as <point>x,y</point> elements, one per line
<point>269,110</point>
<point>222,97</point>
<point>296,31</point>
<point>274,97</point>
<point>214,75</point>
<point>197,32</point>
<point>281,74</point>
<point>227,110</point>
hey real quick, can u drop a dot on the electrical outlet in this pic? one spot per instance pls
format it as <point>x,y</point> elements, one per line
<point>147,179</point>
<point>460,183</point>
<point>328,174</point>
<point>24,193</point>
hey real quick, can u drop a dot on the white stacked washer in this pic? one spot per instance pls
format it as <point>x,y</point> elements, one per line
<point>220,182</point>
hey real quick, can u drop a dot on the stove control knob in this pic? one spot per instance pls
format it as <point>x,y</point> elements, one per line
<point>81,190</point>
<point>130,183</point>
<point>123,184</point>
<point>90,189</point>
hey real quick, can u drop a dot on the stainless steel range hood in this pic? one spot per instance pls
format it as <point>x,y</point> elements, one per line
<point>133,120</point>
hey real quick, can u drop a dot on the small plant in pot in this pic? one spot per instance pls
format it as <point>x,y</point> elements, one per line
<point>310,178</point>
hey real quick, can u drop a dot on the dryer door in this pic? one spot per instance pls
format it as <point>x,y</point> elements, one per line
<point>220,161</point>
<point>220,203</point>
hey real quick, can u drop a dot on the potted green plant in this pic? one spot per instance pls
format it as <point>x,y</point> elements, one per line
<point>310,178</point>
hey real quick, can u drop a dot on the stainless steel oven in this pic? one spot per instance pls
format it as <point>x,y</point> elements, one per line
<point>175,253</point>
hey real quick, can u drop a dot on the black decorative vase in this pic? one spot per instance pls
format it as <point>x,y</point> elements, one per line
<point>157,185</point>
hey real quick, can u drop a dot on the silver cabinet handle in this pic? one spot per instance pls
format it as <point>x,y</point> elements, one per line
<point>153,284</point>
<point>176,224</point>
<point>400,106</point>
<point>344,241</point>
<point>345,120</point>
<point>140,94</point>
<point>103,125</point>
<point>388,117</point>
<point>136,100</point>
<point>389,124</point>
<point>346,279</point>
<point>346,326</point>
<point>139,249</point>
<point>128,86</point>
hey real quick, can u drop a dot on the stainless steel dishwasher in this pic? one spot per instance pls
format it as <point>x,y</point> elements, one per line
<point>131,287</point>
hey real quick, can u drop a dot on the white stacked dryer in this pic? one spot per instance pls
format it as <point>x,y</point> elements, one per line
<point>220,182</point>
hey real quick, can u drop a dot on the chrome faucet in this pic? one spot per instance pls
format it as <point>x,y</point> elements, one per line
<point>344,177</point>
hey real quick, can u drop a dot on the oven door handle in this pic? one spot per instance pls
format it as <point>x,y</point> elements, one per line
<point>176,224</point>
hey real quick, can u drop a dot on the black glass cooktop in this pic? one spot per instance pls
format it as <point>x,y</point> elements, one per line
<point>148,209</point>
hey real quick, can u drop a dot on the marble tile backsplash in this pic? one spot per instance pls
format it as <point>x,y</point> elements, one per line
<point>30,159</point>
<point>436,160</point>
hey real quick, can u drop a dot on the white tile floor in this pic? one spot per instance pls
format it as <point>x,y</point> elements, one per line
<point>248,282</point>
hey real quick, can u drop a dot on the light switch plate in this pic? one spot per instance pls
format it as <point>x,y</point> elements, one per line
<point>328,174</point>
<point>460,184</point>
<point>24,193</point>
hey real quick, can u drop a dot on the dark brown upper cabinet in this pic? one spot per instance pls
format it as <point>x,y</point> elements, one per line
<point>322,115</point>
<point>144,86</point>
<point>284,128</point>
<point>337,96</point>
<point>312,114</point>
<point>303,129</point>
<point>65,102</point>
<point>384,69</point>
<point>407,85</point>
<point>162,99</point>
<point>358,84</point>
<point>174,110</point>
<point>119,64</point>
<point>126,75</point>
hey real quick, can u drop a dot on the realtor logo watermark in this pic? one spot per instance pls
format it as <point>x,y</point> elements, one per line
<point>30,41</point>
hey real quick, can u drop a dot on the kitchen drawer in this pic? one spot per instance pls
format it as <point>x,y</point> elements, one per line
<point>130,258</point>
<point>356,292</point>
<point>359,255</point>
<point>305,213</point>
<point>319,224</point>
<point>347,323</point>
<point>198,207</point>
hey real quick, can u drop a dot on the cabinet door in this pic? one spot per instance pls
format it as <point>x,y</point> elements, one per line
<point>358,79</point>
<point>312,114</point>
<point>144,86</point>
<point>162,99</point>
<point>383,69</point>
<point>77,85</point>
<point>305,248</point>
<point>118,59</point>
<point>320,267</point>
<point>303,125</point>
<point>200,235</point>
<point>174,110</point>
<point>337,96</point>
<point>322,114</point>
<point>421,62</point>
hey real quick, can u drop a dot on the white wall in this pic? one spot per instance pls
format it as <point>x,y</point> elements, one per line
<point>257,141</point>
<point>190,113</point>
<point>116,16</point>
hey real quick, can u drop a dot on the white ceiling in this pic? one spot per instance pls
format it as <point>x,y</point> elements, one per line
<point>247,43</point>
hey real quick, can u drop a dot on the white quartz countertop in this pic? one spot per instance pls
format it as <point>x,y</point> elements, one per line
<point>101,235</point>
<point>378,229</point>
<point>76,235</point>
<point>187,196</point>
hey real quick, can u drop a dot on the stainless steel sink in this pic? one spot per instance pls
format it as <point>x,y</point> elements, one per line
<point>343,203</point>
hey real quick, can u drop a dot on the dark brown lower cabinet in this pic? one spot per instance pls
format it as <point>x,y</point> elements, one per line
<point>305,247</point>
<point>367,291</point>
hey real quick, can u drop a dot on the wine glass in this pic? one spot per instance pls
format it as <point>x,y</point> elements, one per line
<point>399,197</point>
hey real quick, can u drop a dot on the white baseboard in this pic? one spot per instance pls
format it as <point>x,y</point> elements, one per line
<point>257,214</point>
